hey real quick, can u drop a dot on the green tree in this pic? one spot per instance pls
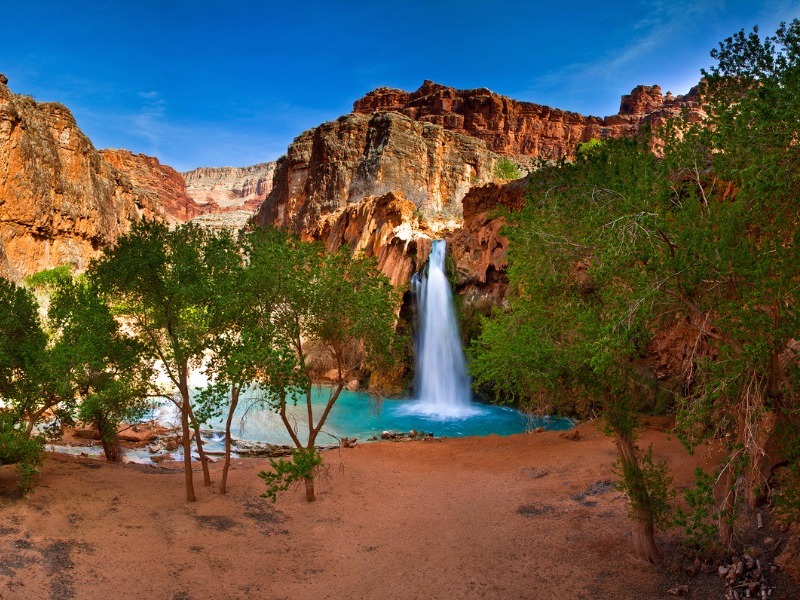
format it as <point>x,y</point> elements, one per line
<point>107,369</point>
<point>734,256</point>
<point>333,304</point>
<point>247,342</point>
<point>504,168</point>
<point>161,282</point>
<point>23,352</point>
<point>580,309</point>
<point>31,381</point>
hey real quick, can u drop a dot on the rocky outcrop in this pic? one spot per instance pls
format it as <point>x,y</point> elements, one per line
<point>162,186</point>
<point>386,227</point>
<point>513,128</point>
<point>342,162</point>
<point>243,188</point>
<point>60,202</point>
<point>478,249</point>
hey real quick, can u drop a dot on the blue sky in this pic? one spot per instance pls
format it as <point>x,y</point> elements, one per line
<point>232,82</point>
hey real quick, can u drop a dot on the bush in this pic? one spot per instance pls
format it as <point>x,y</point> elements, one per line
<point>506,169</point>
<point>49,278</point>
<point>17,448</point>
<point>302,465</point>
<point>699,520</point>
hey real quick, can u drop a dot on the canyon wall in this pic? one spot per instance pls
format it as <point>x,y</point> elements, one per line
<point>435,147</point>
<point>60,202</point>
<point>161,185</point>
<point>230,187</point>
<point>524,129</point>
<point>342,162</point>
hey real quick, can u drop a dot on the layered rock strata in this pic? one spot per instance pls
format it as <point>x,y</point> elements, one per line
<point>161,185</point>
<point>515,128</point>
<point>231,188</point>
<point>478,249</point>
<point>60,202</point>
<point>342,162</point>
<point>386,227</point>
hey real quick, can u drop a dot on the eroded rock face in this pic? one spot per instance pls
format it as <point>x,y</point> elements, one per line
<point>342,162</point>
<point>478,249</point>
<point>386,227</point>
<point>242,188</point>
<point>515,128</point>
<point>60,202</point>
<point>161,185</point>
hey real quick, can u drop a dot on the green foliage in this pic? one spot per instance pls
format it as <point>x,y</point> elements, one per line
<point>504,168</point>
<point>620,244</point>
<point>587,147</point>
<point>16,447</point>
<point>650,489</point>
<point>575,317</point>
<point>786,490</point>
<point>302,466</point>
<point>699,520</point>
<point>49,278</point>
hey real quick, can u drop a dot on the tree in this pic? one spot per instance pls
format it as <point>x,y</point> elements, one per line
<point>161,282</point>
<point>579,312</point>
<point>106,368</point>
<point>23,348</point>
<point>339,305</point>
<point>247,341</point>
<point>614,246</point>
<point>734,257</point>
<point>31,381</point>
<point>504,168</point>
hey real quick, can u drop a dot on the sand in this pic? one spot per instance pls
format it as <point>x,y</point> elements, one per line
<point>525,516</point>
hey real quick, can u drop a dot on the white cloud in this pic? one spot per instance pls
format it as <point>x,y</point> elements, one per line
<point>149,122</point>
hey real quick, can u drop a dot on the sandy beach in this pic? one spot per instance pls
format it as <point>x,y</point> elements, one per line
<point>525,516</point>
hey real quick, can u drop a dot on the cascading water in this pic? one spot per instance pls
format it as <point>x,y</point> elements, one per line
<point>442,386</point>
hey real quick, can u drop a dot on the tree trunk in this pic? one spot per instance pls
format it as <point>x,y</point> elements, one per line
<point>310,497</point>
<point>644,543</point>
<point>726,501</point>
<point>200,452</point>
<point>109,438</point>
<point>186,440</point>
<point>234,402</point>
<point>112,449</point>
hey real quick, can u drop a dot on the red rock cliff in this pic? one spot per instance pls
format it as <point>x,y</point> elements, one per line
<point>60,202</point>
<point>512,127</point>
<point>161,185</point>
<point>230,187</point>
<point>342,162</point>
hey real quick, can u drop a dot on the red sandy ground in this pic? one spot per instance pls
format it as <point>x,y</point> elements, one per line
<point>494,517</point>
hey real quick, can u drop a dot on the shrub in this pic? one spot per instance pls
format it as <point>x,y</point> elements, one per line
<point>506,169</point>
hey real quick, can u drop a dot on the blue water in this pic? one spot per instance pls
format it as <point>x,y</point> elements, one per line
<point>358,415</point>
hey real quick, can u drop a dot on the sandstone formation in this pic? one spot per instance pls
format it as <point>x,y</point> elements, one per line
<point>161,185</point>
<point>60,202</point>
<point>432,147</point>
<point>242,188</point>
<point>341,162</point>
<point>523,129</point>
<point>478,249</point>
<point>382,226</point>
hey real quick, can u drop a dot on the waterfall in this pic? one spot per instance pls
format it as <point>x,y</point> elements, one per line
<point>442,386</point>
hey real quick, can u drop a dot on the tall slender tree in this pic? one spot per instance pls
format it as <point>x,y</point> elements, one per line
<point>161,283</point>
